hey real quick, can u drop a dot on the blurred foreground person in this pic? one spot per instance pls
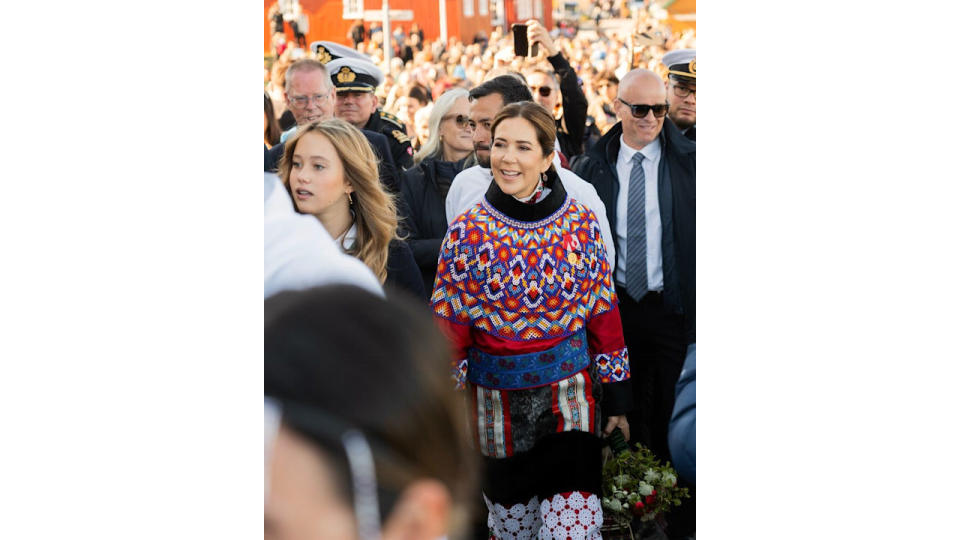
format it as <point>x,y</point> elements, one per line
<point>525,293</point>
<point>425,186</point>
<point>683,424</point>
<point>364,437</point>
<point>331,172</point>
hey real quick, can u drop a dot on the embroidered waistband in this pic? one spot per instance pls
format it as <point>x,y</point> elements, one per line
<point>529,370</point>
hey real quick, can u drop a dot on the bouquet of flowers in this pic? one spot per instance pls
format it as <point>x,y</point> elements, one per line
<point>635,484</point>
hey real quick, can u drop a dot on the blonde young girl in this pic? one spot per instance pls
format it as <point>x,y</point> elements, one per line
<point>331,172</point>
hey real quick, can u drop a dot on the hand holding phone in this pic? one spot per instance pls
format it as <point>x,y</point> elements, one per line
<point>521,46</point>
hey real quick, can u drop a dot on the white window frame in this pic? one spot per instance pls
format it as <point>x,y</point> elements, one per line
<point>524,10</point>
<point>482,7</point>
<point>468,8</point>
<point>356,13</point>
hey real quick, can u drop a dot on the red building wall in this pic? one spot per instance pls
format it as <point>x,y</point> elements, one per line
<point>327,23</point>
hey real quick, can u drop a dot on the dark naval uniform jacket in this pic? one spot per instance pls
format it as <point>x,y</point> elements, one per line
<point>397,139</point>
<point>389,175</point>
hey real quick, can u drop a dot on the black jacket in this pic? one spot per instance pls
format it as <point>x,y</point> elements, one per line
<point>423,191</point>
<point>398,142</point>
<point>389,176</point>
<point>676,188</point>
<point>571,126</point>
<point>402,271</point>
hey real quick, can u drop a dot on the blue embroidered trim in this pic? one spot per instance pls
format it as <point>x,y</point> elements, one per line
<point>529,370</point>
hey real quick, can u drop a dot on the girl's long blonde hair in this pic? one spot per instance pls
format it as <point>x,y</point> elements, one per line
<point>374,210</point>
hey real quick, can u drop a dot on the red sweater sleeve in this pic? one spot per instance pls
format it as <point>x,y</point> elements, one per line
<point>605,339</point>
<point>460,339</point>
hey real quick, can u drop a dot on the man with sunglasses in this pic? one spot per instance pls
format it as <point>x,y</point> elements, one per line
<point>644,170</point>
<point>546,91</point>
<point>682,89</point>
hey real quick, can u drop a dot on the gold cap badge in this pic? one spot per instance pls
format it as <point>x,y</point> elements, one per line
<point>323,56</point>
<point>345,75</point>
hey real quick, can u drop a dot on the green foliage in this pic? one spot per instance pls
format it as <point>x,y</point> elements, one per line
<point>631,474</point>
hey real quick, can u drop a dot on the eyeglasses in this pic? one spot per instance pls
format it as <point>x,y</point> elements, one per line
<point>301,101</point>
<point>544,91</point>
<point>683,91</point>
<point>640,111</point>
<point>462,121</point>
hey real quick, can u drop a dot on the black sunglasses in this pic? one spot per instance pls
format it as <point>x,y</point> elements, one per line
<point>640,111</point>
<point>544,91</point>
<point>461,120</point>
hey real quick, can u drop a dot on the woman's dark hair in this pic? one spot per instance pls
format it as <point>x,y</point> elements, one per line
<point>607,75</point>
<point>419,93</point>
<point>273,132</point>
<point>378,365</point>
<point>543,123</point>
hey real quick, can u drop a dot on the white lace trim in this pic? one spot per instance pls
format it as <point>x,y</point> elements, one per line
<point>519,522</point>
<point>573,517</point>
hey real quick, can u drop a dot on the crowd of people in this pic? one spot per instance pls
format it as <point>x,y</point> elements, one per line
<point>477,266</point>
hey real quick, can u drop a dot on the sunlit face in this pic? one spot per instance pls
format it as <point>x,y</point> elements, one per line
<point>482,112</point>
<point>413,105</point>
<point>516,159</point>
<point>421,126</point>
<point>317,179</point>
<point>538,80</point>
<point>459,138</point>
<point>310,97</point>
<point>607,90</point>
<point>639,132</point>
<point>683,110</point>
<point>303,501</point>
<point>356,107</point>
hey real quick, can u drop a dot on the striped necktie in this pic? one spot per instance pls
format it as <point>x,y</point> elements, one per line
<point>637,231</point>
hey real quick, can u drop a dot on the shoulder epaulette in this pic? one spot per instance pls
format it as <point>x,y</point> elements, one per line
<point>400,136</point>
<point>391,118</point>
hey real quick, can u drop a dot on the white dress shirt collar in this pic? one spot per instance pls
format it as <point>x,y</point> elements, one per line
<point>651,152</point>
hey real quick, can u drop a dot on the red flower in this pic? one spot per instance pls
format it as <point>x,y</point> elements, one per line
<point>638,508</point>
<point>650,499</point>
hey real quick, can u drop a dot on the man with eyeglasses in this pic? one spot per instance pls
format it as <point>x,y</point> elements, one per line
<point>682,89</point>
<point>644,169</point>
<point>546,91</point>
<point>309,96</point>
<point>470,185</point>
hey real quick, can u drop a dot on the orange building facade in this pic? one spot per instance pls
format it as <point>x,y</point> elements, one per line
<point>465,18</point>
